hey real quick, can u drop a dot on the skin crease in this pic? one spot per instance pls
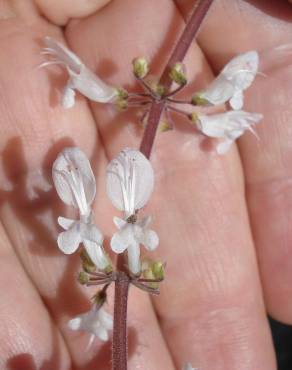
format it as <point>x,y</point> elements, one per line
<point>211,311</point>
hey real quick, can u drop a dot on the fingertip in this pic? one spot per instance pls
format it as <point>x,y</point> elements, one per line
<point>60,12</point>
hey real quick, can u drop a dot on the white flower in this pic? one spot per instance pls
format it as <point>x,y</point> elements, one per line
<point>235,77</point>
<point>228,126</point>
<point>130,182</point>
<point>188,366</point>
<point>80,77</point>
<point>75,185</point>
<point>97,322</point>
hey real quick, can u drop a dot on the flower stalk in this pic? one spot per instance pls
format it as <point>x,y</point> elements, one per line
<point>120,336</point>
<point>120,339</point>
<point>199,12</point>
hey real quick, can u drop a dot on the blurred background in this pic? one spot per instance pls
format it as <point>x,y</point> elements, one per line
<point>282,336</point>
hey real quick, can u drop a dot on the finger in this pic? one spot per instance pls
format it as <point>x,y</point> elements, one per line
<point>60,12</point>
<point>266,162</point>
<point>200,198</point>
<point>29,338</point>
<point>33,130</point>
<point>30,214</point>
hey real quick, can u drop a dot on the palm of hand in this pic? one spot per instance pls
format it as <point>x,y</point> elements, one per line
<point>211,310</point>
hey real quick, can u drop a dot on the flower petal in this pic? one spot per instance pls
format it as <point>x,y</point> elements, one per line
<point>119,222</point>
<point>224,146</point>
<point>65,223</point>
<point>91,86</point>
<point>96,254</point>
<point>68,241</point>
<point>75,324</point>
<point>130,180</point>
<point>119,243</point>
<point>150,240</point>
<point>92,233</point>
<point>62,53</point>
<point>229,125</point>
<point>105,319</point>
<point>219,91</point>
<point>145,222</point>
<point>73,178</point>
<point>134,258</point>
<point>188,366</point>
<point>236,102</point>
<point>242,69</point>
<point>93,322</point>
<point>101,333</point>
<point>68,98</point>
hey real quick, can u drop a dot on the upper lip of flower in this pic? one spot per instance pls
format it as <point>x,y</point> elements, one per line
<point>75,181</point>
<point>81,78</point>
<point>236,76</point>
<point>130,181</point>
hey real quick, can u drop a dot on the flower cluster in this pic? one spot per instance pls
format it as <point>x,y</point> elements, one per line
<point>130,182</point>
<point>129,177</point>
<point>228,87</point>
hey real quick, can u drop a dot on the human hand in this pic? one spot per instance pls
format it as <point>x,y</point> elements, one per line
<point>211,309</point>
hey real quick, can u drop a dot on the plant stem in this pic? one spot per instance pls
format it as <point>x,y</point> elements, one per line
<point>120,337</point>
<point>199,12</point>
<point>120,345</point>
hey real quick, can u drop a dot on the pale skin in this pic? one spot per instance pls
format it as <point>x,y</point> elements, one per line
<point>224,222</point>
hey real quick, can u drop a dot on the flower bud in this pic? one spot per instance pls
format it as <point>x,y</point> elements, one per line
<point>153,270</point>
<point>155,86</point>
<point>122,93</point>
<point>99,298</point>
<point>157,268</point>
<point>198,99</point>
<point>194,117</point>
<point>140,67</point>
<point>109,267</point>
<point>121,104</point>
<point>164,126</point>
<point>178,74</point>
<point>87,264</point>
<point>83,278</point>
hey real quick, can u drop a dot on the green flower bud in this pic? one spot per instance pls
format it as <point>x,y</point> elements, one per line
<point>140,67</point>
<point>198,99</point>
<point>158,270</point>
<point>164,126</point>
<point>121,104</point>
<point>178,74</point>
<point>87,263</point>
<point>194,117</point>
<point>122,93</point>
<point>83,278</point>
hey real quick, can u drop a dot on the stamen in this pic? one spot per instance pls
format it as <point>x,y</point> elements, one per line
<point>51,62</point>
